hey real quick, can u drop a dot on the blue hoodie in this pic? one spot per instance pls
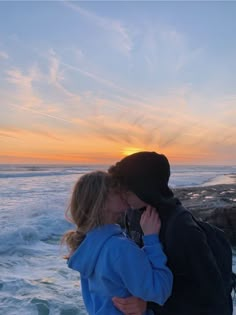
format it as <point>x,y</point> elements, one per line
<point>111,265</point>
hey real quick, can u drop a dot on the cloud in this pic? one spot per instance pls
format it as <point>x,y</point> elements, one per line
<point>3,55</point>
<point>24,93</point>
<point>134,126</point>
<point>158,126</point>
<point>37,112</point>
<point>16,77</point>
<point>122,94</point>
<point>24,133</point>
<point>25,81</point>
<point>7,134</point>
<point>163,49</point>
<point>120,37</point>
<point>57,76</point>
<point>162,122</point>
<point>95,77</point>
<point>29,90</point>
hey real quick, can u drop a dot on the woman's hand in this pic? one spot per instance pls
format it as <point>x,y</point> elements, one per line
<point>150,221</point>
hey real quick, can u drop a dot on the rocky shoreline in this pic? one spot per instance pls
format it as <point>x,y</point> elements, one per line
<point>214,204</point>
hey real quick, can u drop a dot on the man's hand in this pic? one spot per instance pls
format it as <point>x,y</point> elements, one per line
<point>130,305</point>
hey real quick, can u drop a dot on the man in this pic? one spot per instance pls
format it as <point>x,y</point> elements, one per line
<point>198,286</point>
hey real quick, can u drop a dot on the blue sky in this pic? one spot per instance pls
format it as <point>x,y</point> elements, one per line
<point>91,81</point>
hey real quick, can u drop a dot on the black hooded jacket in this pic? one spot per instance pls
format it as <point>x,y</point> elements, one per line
<point>198,287</point>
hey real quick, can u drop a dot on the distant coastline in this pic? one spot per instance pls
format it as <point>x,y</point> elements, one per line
<point>221,180</point>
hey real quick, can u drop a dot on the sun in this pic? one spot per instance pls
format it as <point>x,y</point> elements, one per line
<point>131,150</point>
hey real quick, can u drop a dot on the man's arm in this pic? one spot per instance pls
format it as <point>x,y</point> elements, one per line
<point>130,305</point>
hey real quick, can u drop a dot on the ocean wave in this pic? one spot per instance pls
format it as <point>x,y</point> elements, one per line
<point>15,285</point>
<point>8,171</point>
<point>39,306</point>
<point>22,240</point>
<point>10,240</point>
<point>20,296</point>
<point>39,174</point>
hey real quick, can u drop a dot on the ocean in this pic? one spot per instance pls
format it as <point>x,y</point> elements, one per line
<point>35,279</point>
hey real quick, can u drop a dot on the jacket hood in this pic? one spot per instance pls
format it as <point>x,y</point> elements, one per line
<point>85,257</point>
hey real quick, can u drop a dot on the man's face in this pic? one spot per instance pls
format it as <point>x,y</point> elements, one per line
<point>133,200</point>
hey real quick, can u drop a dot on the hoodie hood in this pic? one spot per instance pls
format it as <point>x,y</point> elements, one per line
<point>85,257</point>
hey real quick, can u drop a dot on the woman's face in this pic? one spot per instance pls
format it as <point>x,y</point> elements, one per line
<point>115,207</point>
<point>133,200</point>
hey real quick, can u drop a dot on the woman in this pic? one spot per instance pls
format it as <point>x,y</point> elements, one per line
<point>109,263</point>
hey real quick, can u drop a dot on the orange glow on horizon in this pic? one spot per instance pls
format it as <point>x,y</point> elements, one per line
<point>60,158</point>
<point>104,153</point>
<point>131,150</point>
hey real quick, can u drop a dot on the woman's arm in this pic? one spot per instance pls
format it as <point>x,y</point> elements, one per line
<point>144,271</point>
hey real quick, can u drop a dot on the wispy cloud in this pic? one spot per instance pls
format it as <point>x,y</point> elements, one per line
<point>153,126</point>
<point>56,76</point>
<point>134,121</point>
<point>7,134</point>
<point>23,133</point>
<point>164,49</point>
<point>41,113</point>
<point>3,55</point>
<point>24,93</point>
<point>122,94</point>
<point>120,39</point>
<point>95,77</point>
<point>28,97</point>
<point>21,80</point>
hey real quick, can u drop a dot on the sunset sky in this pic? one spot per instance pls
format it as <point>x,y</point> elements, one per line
<point>90,82</point>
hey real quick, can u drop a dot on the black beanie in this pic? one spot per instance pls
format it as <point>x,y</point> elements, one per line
<point>147,175</point>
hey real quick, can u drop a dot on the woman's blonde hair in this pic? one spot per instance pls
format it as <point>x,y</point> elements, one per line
<point>87,204</point>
